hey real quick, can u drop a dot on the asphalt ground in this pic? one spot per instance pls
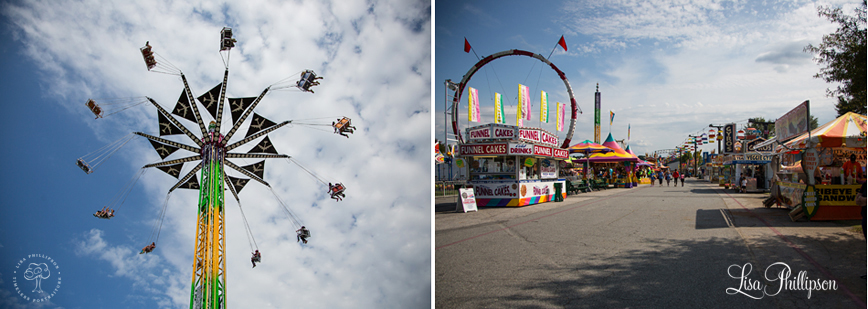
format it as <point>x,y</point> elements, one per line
<point>646,247</point>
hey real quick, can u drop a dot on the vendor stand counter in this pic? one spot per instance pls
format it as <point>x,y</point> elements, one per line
<point>834,202</point>
<point>513,166</point>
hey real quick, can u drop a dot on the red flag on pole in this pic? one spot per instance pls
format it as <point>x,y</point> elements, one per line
<point>466,46</point>
<point>562,43</point>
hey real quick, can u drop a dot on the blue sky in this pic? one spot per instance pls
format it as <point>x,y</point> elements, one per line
<point>667,69</point>
<point>370,250</point>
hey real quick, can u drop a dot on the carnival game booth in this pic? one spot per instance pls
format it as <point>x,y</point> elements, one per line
<point>617,160</point>
<point>825,154</point>
<point>513,166</point>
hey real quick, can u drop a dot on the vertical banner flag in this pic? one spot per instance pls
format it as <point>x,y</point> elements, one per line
<point>543,107</point>
<point>611,117</point>
<point>523,103</point>
<point>525,94</point>
<point>473,98</point>
<point>560,116</point>
<point>597,115</point>
<point>498,108</point>
<point>518,118</point>
<point>628,131</point>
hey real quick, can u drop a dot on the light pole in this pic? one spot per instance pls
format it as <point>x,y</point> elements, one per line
<point>719,138</point>
<point>693,155</point>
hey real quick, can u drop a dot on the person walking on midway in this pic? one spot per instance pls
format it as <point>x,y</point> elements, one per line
<point>660,178</point>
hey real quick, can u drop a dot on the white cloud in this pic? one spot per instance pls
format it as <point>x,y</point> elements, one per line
<point>370,250</point>
<point>741,60</point>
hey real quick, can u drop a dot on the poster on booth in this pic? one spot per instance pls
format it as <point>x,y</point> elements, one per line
<point>810,161</point>
<point>536,189</point>
<point>548,169</point>
<point>495,189</point>
<point>809,201</point>
<point>468,200</point>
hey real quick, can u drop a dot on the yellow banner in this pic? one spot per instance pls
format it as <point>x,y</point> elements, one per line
<point>839,195</point>
<point>498,108</point>
<point>559,114</point>
<point>543,107</point>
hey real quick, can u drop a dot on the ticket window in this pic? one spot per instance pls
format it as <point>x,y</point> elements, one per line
<point>530,168</point>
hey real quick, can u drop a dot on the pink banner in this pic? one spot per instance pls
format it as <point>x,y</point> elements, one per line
<point>473,105</point>
<point>524,96</point>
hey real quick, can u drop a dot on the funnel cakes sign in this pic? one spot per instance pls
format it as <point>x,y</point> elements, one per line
<point>493,131</point>
<point>490,132</point>
<point>490,139</point>
<point>538,136</point>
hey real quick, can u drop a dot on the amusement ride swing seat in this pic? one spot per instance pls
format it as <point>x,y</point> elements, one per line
<point>84,166</point>
<point>148,248</point>
<point>148,55</point>
<point>342,124</point>
<point>97,111</point>
<point>338,188</point>
<point>304,233</point>
<point>226,40</point>
<point>257,257</point>
<point>308,79</point>
<point>104,214</point>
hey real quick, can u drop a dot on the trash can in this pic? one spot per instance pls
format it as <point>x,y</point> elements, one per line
<point>558,189</point>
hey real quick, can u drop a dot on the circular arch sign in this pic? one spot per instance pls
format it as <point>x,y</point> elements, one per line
<point>514,52</point>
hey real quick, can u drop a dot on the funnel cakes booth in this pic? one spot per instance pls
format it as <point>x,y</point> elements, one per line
<point>513,166</point>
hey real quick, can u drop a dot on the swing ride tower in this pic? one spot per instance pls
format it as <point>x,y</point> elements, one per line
<point>209,271</point>
<point>210,160</point>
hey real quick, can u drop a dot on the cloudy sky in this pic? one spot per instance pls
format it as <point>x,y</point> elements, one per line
<point>371,250</point>
<point>666,68</point>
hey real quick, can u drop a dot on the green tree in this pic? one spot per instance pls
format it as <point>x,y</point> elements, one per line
<point>843,56</point>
